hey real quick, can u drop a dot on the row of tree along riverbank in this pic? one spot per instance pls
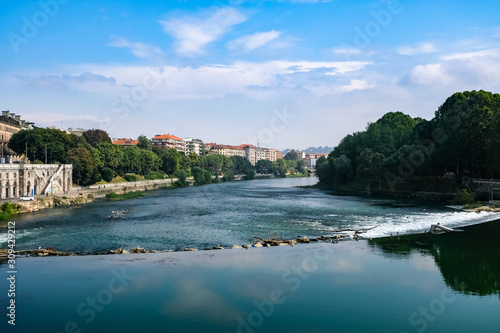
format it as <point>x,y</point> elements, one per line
<point>401,156</point>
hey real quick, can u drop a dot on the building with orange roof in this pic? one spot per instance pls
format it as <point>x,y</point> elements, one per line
<point>126,142</point>
<point>167,141</point>
<point>250,152</point>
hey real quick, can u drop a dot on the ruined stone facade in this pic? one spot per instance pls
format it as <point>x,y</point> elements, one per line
<point>18,180</point>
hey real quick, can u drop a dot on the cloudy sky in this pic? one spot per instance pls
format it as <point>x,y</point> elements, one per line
<point>285,73</point>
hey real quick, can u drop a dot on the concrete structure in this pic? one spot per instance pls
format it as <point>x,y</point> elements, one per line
<point>251,153</point>
<point>126,142</point>
<point>271,154</point>
<point>227,150</point>
<point>194,146</point>
<point>76,131</point>
<point>18,180</point>
<point>10,123</point>
<point>167,141</point>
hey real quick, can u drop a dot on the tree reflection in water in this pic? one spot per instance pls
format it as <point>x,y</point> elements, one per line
<point>469,261</point>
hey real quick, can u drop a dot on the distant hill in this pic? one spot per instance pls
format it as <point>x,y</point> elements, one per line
<point>313,150</point>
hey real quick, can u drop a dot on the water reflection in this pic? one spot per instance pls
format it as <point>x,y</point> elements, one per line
<point>469,261</point>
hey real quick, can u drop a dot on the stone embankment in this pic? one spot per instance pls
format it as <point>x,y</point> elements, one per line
<point>83,195</point>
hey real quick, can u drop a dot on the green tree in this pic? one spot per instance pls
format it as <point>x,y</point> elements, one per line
<point>170,161</point>
<point>291,155</point>
<point>144,143</point>
<point>182,178</point>
<point>264,166</point>
<point>370,166</point>
<point>112,155</point>
<point>133,160</point>
<point>83,165</point>
<point>107,174</point>
<point>96,136</point>
<point>42,142</point>
<point>150,161</point>
<point>280,166</point>
<point>215,162</point>
<point>240,165</point>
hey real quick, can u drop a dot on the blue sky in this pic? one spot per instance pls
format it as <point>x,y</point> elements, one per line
<point>289,73</point>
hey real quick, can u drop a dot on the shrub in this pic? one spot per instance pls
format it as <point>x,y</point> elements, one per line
<point>182,176</point>
<point>154,175</point>
<point>107,174</point>
<point>228,176</point>
<point>130,178</point>
<point>202,177</point>
<point>464,197</point>
<point>249,174</point>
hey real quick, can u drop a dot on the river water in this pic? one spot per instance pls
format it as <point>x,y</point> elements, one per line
<point>415,283</point>
<point>225,214</point>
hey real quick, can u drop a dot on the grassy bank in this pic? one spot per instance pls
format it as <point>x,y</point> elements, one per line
<point>128,195</point>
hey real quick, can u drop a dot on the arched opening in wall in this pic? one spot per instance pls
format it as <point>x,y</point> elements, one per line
<point>28,188</point>
<point>67,185</point>
<point>35,187</point>
<point>14,189</point>
<point>7,185</point>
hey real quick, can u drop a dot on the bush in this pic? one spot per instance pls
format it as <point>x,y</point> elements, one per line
<point>130,178</point>
<point>107,174</point>
<point>249,174</point>
<point>8,210</point>
<point>182,176</point>
<point>202,177</point>
<point>128,195</point>
<point>473,205</point>
<point>228,176</point>
<point>464,197</point>
<point>154,175</point>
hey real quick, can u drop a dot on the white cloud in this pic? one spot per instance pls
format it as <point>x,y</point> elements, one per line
<point>429,74</point>
<point>255,41</point>
<point>422,48</point>
<point>193,33</point>
<point>355,85</point>
<point>472,55</point>
<point>53,117</point>
<point>346,50</point>
<point>138,49</point>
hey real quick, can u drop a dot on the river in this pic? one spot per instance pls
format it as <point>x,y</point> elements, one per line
<point>415,283</point>
<point>225,214</point>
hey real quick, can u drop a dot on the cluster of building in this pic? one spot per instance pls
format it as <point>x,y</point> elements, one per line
<point>190,145</point>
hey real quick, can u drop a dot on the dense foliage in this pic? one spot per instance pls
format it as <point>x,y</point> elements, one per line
<point>463,139</point>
